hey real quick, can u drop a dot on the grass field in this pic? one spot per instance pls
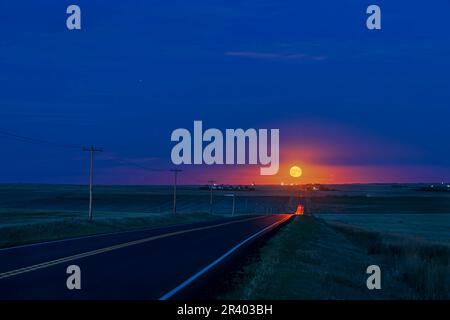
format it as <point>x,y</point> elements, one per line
<point>432,227</point>
<point>424,266</point>
<point>310,259</point>
<point>313,258</point>
<point>73,227</point>
<point>32,213</point>
<point>23,205</point>
<point>404,231</point>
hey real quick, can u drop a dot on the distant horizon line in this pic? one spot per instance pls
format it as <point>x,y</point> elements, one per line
<point>219,184</point>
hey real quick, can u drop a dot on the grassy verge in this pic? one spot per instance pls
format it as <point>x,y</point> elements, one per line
<point>66,228</point>
<point>305,260</point>
<point>311,259</point>
<point>422,265</point>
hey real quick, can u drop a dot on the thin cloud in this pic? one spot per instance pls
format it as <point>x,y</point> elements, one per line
<point>275,56</point>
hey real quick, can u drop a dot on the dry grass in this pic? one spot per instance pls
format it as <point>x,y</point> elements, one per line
<point>424,266</point>
<point>313,259</point>
<point>66,228</point>
<point>305,260</point>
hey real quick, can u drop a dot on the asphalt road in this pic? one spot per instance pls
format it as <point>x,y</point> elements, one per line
<point>150,264</point>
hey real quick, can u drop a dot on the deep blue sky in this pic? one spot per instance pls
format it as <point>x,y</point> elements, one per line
<point>139,69</point>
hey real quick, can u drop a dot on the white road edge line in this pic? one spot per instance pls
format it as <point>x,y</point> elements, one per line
<point>174,291</point>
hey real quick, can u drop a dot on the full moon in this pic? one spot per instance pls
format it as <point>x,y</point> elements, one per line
<point>295,172</point>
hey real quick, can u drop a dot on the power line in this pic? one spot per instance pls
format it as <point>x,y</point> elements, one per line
<point>136,165</point>
<point>110,156</point>
<point>50,143</point>
<point>32,140</point>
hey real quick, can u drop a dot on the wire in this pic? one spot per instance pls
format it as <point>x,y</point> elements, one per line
<point>38,141</point>
<point>198,176</point>
<point>141,166</point>
<point>136,165</point>
<point>32,140</point>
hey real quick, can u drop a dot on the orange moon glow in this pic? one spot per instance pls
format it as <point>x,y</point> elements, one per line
<point>295,172</point>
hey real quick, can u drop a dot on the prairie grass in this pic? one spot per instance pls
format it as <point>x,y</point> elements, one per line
<point>306,259</point>
<point>311,258</point>
<point>73,227</point>
<point>424,266</point>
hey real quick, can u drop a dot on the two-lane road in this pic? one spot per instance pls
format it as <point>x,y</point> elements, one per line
<point>146,264</point>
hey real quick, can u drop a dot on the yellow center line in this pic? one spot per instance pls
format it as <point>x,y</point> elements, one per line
<point>51,263</point>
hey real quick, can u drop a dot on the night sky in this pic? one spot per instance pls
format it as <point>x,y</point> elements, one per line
<point>352,105</point>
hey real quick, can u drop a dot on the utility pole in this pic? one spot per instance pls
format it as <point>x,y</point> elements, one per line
<point>175,175</point>
<point>91,150</point>
<point>211,184</point>
<point>234,202</point>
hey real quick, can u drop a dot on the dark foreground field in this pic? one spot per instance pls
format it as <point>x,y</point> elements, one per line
<point>312,259</point>
<point>31,213</point>
<point>404,231</point>
<point>34,213</point>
